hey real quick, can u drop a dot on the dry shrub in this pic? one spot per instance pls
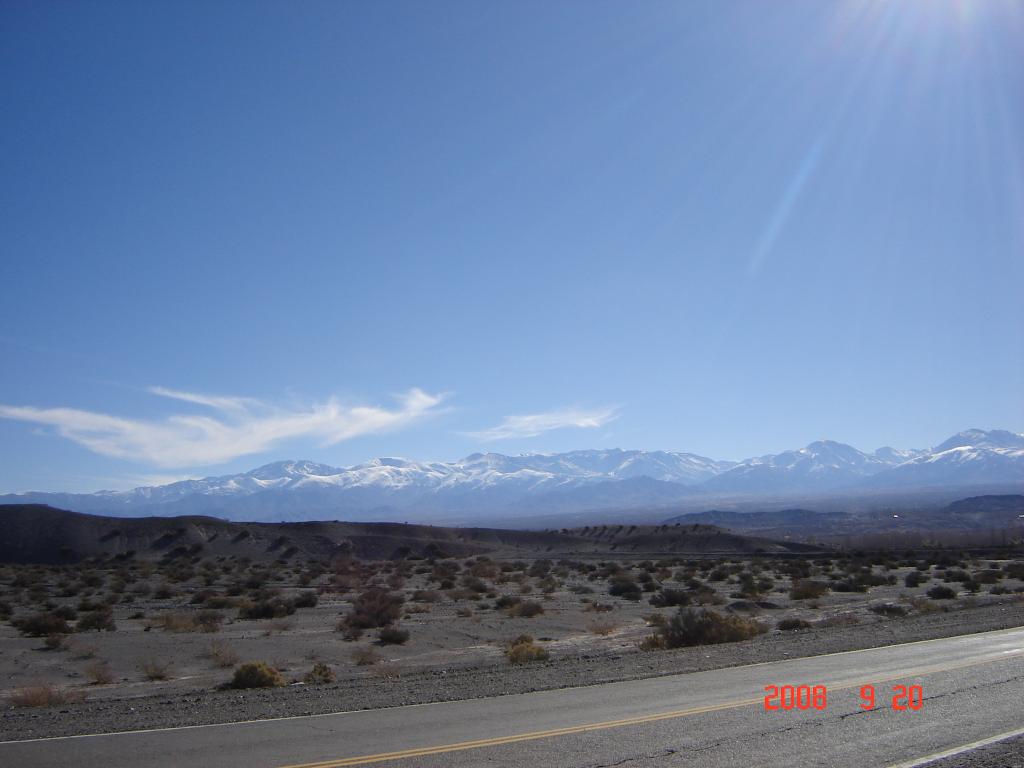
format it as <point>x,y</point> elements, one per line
<point>888,609</point>
<point>924,606</point>
<point>154,669</point>
<point>1014,570</point>
<point>805,589</point>
<point>375,608</point>
<point>839,620</point>
<point>306,599</point>
<point>386,670</point>
<point>257,674</point>
<point>278,625</point>
<point>366,657</point>
<point>98,621</point>
<point>99,673</point>
<point>624,586</point>
<point>56,642</point>
<point>200,621</point>
<point>349,632</point>
<point>602,627</point>
<point>789,624</point>
<point>321,674</point>
<point>688,627</point>
<point>707,596</point>
<point>669,598</point>
<point>174,622</point>
<point>523,650</point>
<point>915,578</point>
<point>43,696</point>
<point>393,636</point>
<point>80,652</point>
<point>222,654</point>
<point>271,608</point>
<point>42,625</point>
<point>526,609</point>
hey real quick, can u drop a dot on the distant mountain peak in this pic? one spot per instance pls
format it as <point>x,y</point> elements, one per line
<point>289,467</point>
<point>495,484</point>
<point>980,438</point>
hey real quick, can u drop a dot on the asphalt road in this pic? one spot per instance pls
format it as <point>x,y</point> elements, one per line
<point>972,690</point>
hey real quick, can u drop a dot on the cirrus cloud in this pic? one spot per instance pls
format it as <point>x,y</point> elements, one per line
<point>241,426</point>
<point>534,424</point>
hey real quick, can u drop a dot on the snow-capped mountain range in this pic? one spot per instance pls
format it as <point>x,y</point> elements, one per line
<point>492,484</point>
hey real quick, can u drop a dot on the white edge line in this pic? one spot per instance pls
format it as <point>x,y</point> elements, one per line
<point>959,750</point>
<point>1006,630</point>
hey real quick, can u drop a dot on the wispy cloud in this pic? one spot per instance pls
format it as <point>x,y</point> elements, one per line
<point>241,426</point>
<point>533,424</point>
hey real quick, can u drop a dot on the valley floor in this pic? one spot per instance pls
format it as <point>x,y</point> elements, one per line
<point>482,671</point>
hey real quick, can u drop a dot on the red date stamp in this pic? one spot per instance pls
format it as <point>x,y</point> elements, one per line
<point>803,697</point>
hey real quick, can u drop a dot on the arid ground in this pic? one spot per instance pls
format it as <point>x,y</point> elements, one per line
<point>165,637</point>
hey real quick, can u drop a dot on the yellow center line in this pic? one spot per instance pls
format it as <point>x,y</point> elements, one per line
<point>638,720</point>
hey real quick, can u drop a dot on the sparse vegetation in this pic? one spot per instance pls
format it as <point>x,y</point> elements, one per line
<point>56,642</point>
<point>393,636</point>
<point>365,656</point>
<point>197,621</point>
<point>702,627</point>
<point>267,608</point>
<point>222,654</point>
<point>526,609</point>
<point>454,606</point>
<point>375,608</point>
<point>787,625</point>
<point>914,579</point>
<point>523,650</point>
<point>806,589</point>
<point>670,598</point>
<point>320,674</point>
<point>96,621</point>
<point>43,624</point>
<point>44,696</point>
<point>602,627</point>
<point>99,673</point>
<point>257,674</point>
<point>941,592</point>
<point>888,609</point>
<point>155,669</point>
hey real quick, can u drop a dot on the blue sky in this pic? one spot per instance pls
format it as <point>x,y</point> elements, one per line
<point>239,232</point>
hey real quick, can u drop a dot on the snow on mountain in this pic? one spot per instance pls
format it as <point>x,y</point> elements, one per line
<point>894,456</point>
<point>476,472</point>
<point>822,465</point>
<point>614,464</point>
<point>979,438</point>
<point>496,484</point>
<point>972,457</point>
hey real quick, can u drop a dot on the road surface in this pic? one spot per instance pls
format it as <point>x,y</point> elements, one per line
<point>972,686</point>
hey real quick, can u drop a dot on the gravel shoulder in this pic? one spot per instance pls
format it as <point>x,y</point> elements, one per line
<point>565,669</point>
<point>1008,753</point>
